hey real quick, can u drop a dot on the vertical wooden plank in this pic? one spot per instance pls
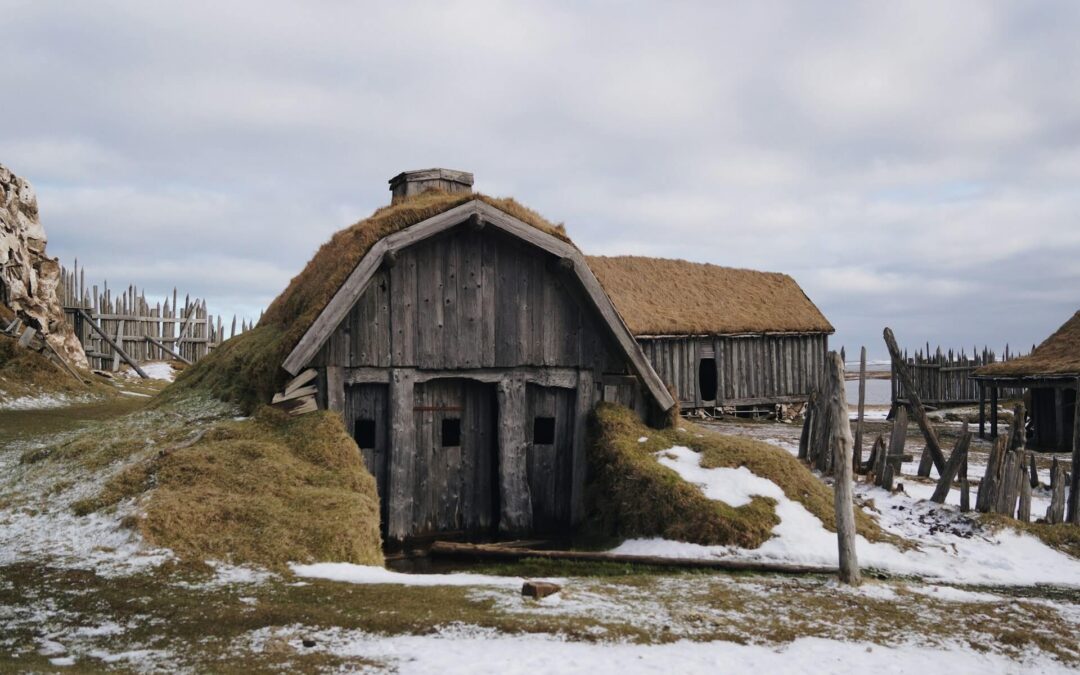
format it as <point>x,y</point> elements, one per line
<point>857,450</point>
<point>401,456</point>
<point>586,394</point>
<point>1073,512</point>
<point>516,503</point>
<point>335,389</point>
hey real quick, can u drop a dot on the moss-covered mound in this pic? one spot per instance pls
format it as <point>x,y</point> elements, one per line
<point>630,494</point>
<point>24,372</point>
<point>247,369</point>
<point>270,490</point>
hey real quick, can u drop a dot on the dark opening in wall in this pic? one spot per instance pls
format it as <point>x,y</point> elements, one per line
<point>451,432</point>
<point>544,431</point>
<point>706,377</point>
<point>364,433</point>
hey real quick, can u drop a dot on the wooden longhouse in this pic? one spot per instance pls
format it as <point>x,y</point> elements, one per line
<point>1051,374</point>
<point>465,352</point>
<point>722,337</point>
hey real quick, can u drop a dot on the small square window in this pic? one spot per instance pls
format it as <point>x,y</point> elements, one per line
<point>451,432</point>
<point>544,431</point>
<point>364,433</point>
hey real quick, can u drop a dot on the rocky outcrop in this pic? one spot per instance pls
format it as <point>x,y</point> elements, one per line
<point>28,277</point>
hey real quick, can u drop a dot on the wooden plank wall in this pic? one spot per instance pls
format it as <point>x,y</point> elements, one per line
<point>550,466</point>
<point>128,317</point>
<point>944,377</point>
<point>455,488</point>
<point>757,369</point>
<point>470,300</point>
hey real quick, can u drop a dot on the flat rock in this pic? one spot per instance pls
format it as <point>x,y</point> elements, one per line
<point>539,589</point>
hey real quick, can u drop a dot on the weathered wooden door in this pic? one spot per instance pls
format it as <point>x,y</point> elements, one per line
<point>366,419</point>
<point>550,433</point>
<point>456,490</point>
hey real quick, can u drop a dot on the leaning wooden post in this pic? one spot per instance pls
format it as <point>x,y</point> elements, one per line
<point>856,454</point>
<point>915,403</point>
<point>842,476</point>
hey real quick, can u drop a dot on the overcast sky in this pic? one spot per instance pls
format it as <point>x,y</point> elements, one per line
<point>911,164</point>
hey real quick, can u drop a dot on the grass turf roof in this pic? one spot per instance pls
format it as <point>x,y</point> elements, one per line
<point>658,296</point>
<point>1059,354</point>
<point>247,369</point>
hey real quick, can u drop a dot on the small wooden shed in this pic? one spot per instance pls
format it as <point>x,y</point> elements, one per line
<point>465,351</point>
<point>1051,374</point>
<point>722,337</point>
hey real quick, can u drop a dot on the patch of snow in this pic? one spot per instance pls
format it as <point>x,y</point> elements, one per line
<point>478,651</point>
<point>159,370</point>
<point>369,574</point>
<point>642,439</point>
<point>42,401</point>
<point>63,661</point>
<point>135,393</point>
<point>948,546</point>
<point>950,594</point>
<point>734,487</point>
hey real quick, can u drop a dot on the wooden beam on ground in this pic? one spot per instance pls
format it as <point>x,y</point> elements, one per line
<point>63,362</point>
<point>165,349</point>
<point>455,550</point>
<point>119,350</point>
<point>26,337</point>
<point>914,402</point>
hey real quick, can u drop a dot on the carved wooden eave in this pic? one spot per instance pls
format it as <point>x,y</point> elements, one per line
<point>481,213</point>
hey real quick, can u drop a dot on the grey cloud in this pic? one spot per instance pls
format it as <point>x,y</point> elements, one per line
<point>909,163</point>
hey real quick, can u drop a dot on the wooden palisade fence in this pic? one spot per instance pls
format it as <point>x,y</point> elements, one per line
<point>944,377</point>
<point>124,326</point>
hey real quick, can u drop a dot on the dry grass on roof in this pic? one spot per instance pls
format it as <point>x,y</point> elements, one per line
<point>247,369</point>
<point>1059,354</point>
<point>656,296</point>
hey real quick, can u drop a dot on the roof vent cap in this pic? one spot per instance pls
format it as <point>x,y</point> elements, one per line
<point>409,183</point>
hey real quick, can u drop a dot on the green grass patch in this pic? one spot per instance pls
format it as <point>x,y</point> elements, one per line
<point>630,494</point>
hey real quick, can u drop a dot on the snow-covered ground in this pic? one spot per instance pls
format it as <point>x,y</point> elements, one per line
<point>950,547</point>
<point>474,651</point>
<point>692,623</point>
<point>43,401</point>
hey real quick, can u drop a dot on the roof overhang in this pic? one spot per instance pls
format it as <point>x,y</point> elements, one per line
<point>338,307</point>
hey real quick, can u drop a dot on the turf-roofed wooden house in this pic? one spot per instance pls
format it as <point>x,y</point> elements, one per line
<point>465,350</point>
<point>1051,373</point>
<point>721,337</point>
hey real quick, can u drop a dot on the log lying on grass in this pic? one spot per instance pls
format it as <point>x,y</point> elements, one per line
<point>460,551</point>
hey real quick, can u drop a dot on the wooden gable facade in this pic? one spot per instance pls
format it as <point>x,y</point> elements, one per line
<point>465,353</point>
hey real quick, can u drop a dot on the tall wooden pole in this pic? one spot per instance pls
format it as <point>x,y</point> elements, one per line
<point>1074,484</point>
<point>914,402</point>
<point>856,455</point>
<point>841,435</point>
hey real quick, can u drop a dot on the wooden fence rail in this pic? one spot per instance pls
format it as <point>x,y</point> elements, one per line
<point>945,377</point>
<point>145,332</point>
